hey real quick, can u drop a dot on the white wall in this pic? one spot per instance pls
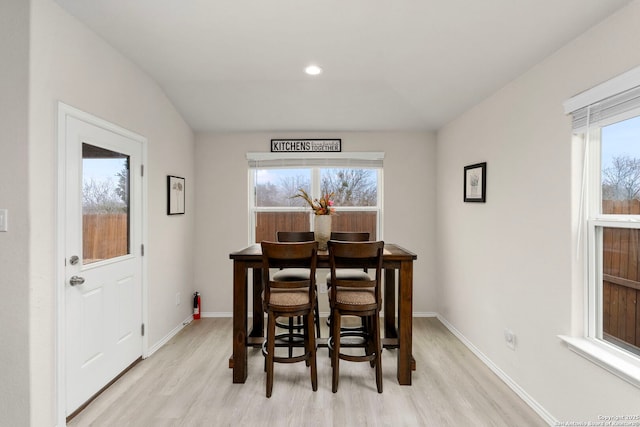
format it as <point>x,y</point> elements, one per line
<point>71,64</point>
<point>222,215</point>
<point>508,263</point>
<point>14,257</point>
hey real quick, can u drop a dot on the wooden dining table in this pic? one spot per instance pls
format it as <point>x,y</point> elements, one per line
<point>398,271</point>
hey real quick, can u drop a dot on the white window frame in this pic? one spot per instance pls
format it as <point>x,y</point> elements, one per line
<point>315,162</point>
<point>590,344</point>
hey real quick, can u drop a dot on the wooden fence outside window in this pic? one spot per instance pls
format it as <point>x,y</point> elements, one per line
<point>621,278</point>
<point>104,236</point>
<point>269,223</point>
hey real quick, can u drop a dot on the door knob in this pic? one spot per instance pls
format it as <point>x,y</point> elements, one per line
<point>76,280</point>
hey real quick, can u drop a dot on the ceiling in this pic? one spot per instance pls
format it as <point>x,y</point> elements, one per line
<point>237,65</point>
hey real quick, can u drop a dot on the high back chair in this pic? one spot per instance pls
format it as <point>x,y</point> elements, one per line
<point>296,274</point>
<point>360,298</point>
<point>349,273</point>
<point>290,298</point>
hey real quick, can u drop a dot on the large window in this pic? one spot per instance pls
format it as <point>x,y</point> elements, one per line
<point>607,127</point>
<point>613,230</point>
<point>356,185</point>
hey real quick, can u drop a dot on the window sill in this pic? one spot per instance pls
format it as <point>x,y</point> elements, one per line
<point>614,360</point>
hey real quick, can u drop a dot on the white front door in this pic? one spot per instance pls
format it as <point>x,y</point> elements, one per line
<point>102,251</point>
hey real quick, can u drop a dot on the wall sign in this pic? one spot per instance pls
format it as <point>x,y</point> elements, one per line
<point>306,145</point>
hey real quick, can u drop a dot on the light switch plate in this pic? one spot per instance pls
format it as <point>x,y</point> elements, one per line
<point>3,219</point>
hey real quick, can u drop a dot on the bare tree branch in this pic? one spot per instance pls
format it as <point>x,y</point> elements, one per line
<point>621,181</point>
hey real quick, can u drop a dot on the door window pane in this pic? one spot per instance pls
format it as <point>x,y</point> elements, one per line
<point>105,204</point>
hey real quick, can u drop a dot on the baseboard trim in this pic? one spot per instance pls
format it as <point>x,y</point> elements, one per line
<point>218,314</point>
<point>425,314</point>
<point>167,337</point>
<point>539,409</point>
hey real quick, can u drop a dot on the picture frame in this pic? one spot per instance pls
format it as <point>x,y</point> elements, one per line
<point>175,195</point>
<point>475,183</point>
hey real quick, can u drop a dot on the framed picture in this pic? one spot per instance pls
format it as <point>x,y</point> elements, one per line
<point>175,195</point>
<point>475,183</point>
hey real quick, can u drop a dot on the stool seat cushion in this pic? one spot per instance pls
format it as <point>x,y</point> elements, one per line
<point>362,296</point>
<point>288,297</point>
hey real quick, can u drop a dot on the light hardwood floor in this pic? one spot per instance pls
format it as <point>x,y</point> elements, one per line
<point>188,383</point>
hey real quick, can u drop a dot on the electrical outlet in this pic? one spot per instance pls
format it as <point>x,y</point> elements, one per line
<point>510,339</point>
<point>178,298</point>
<point>322,288</point>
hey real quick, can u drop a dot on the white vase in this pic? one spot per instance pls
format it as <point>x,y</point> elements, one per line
<point>322,230</point>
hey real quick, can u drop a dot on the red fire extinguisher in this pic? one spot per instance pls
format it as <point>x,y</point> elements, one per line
<point>196,306</point>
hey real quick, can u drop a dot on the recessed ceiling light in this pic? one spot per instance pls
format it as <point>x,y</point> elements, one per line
<point>313,70</point>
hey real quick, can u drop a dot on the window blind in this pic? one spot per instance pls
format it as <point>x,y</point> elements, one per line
<point>609,99</point>
<point>607,108</point>
<point>291,160</point>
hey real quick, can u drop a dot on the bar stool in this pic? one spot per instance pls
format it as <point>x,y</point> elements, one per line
<point>349,273</point>
<point>360,298</point>
<point>296,274</point>
<point>289,298</point>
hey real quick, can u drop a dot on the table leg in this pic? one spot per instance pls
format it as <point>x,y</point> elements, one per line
<point>258,314</point>
<point>405,322</point>
<point>390,303</point>
<point>239,358</point>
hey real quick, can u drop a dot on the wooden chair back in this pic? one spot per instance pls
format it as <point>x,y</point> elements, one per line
<point>295,236</point>
<point>365,255</point>
<point>350,236</point>
<point>289,255</point>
